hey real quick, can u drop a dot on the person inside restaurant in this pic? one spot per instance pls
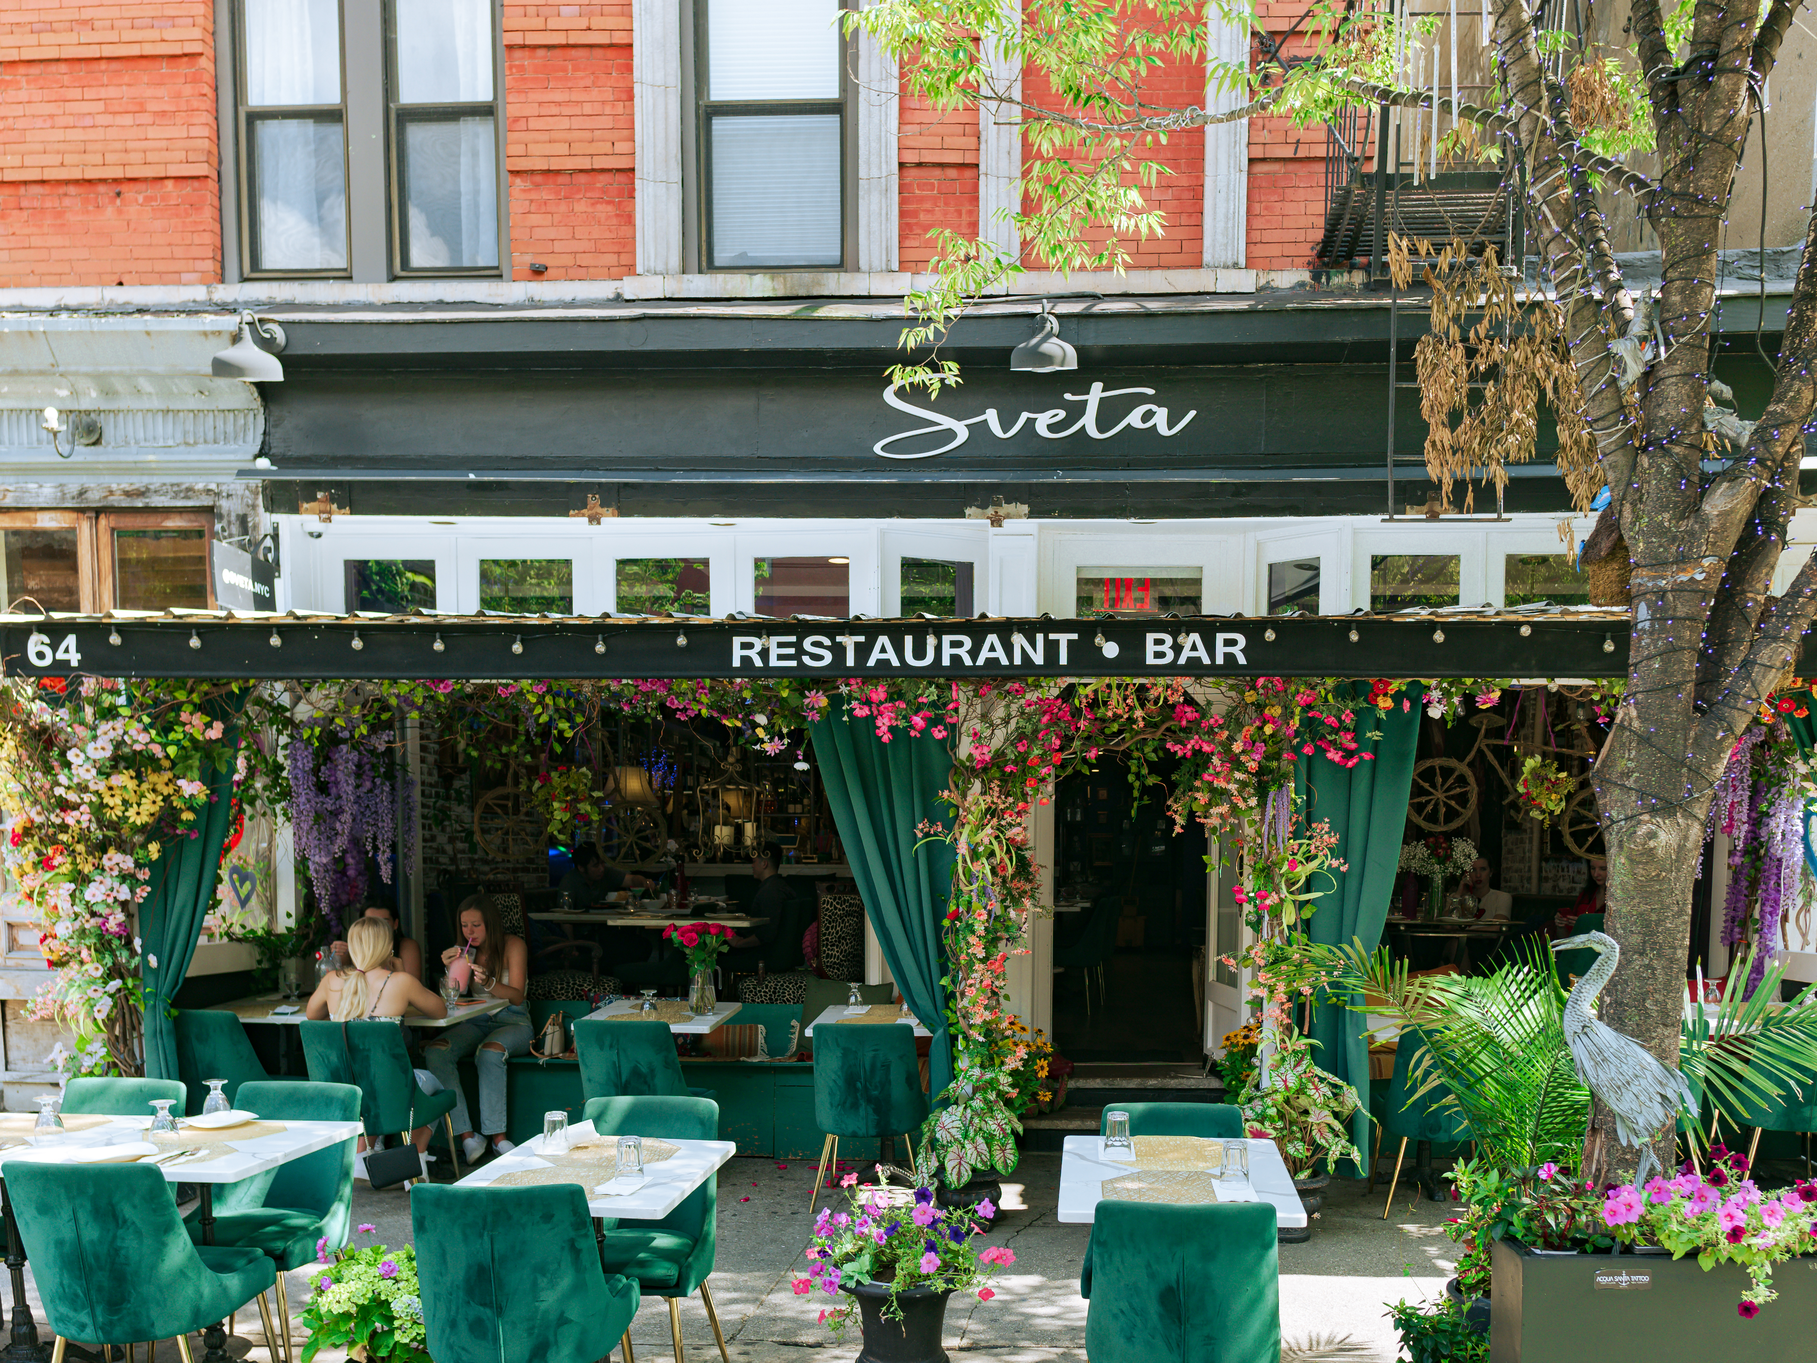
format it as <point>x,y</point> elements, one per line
<point>775,944</point>
<point>1498,904</point>
<point>592,880</point>
<point>1593,898</point>
<point>489,964</point>
<point>406,955</point>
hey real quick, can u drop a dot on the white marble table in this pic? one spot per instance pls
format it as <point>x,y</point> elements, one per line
<point>666,1185</point>
<point>228,1162</point>
<point>257,1011</point>
<point>837,1013</point>
<point>691,1026</point>
<point>1083,1171</point>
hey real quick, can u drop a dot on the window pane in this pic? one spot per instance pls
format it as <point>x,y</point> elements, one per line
<point>450,194</point>
<point>444,51</point>
<point>293,52</point>
<point>156,569</point>
<point>776,191</point>
<point>1553,578</point>
<point>1402,581</point>
<point>803,586</point>
<point>1140,591</point>
<point>525,586</point>
<point>1293,586</point>
<point>299,182</point>
<point>41,565</point>
<point>773,49</point>
<point>392,585</point>
<point>649,585</point>
<point>936,586</point>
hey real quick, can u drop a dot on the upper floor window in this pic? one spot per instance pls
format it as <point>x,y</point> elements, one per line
<point>770,88</point>
<point>293,136</point>
<point>444,136</point>
<point>367,137</point>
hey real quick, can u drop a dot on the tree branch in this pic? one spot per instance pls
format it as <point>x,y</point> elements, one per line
<point>1772,34</point>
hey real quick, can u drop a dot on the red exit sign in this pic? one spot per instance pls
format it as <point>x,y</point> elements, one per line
<point>1127,594</point>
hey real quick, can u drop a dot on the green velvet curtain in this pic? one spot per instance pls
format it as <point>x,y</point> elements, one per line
<point>183,881</point>
<point>879,792</point>
<point>1366,806</point>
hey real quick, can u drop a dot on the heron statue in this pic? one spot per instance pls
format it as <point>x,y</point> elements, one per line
<point>1623,1075</point>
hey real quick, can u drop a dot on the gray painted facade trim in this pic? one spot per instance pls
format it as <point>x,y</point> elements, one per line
<point>1000,154</point>
<point>1226,155</point>
<point>656,108</point>
<point>878,176</point>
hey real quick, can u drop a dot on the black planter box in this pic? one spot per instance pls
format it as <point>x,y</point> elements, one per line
<point>1601,1308</point>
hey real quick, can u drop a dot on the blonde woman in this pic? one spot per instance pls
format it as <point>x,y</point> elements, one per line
<point>373,989</point>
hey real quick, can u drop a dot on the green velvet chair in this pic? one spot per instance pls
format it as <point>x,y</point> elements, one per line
<point>1223,1121</point>
<point>373,1058</point>
<point>212,1044</point>
<point>672,1257</point>
<point>121,1097</point>
<point>1172,1283</point>
<point>1794,1110</point>
<point>1429,1117</point>
<point>287,1211</point>
<point>511,1275</point>
<point>630,1060</point>
<point>112,1261</point>
<point>867,1082</point>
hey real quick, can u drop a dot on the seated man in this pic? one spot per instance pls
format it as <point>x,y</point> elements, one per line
<point>776,944</point>
<point>592,880</point>
<point>1495,903</point>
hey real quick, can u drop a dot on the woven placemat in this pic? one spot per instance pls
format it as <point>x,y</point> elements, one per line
<point>878,1012</point>
<point>20,1123</point>
<point>246,1131</point>
<point>1178,1153</point>
<point>668,1011</point>
<point>260,1008</point>
<point>1162,1185</point>
<point>587,1165</point>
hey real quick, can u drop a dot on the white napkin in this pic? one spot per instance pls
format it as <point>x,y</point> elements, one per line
<point>1236,1190</point>
<point>621,1186</point>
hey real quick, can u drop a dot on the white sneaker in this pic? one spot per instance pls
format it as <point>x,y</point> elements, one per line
<point>501,1146</point>
<point>473,1147</point>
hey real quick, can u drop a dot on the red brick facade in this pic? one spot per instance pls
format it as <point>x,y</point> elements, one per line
<point>108,144</point>
<point>109,163</point>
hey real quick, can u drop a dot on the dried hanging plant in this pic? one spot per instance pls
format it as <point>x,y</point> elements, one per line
<point>1513,357</point>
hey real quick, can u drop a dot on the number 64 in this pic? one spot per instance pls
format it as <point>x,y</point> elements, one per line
<point>38,651</point>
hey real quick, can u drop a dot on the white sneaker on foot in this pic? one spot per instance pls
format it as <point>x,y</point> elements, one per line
<point>501,1146</point>
<point>473,1147</point>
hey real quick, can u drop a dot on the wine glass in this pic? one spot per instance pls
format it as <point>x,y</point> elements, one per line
<point>649,1003</point>
<point>852,1000</point>
<point>163,1128</point>
<point>216,1100</point>
<point>450,990</point>
<point>48,1129</point>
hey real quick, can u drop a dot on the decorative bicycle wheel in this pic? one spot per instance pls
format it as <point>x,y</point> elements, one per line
<point>631,837</point>
<point>1443,794</point>
<point>503,826</point>
<point>1580,825</point>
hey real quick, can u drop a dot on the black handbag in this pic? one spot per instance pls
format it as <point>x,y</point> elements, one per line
<point>400,1164</point>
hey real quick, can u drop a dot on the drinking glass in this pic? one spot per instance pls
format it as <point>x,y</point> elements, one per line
<point>649,1003</point>
<point>630,1155</point>
<point>48,1129</point>
<point>216,1100</point>
<point>287,977</point>
<point>905,1010</point>
<point>450,990</point>
<point>564,902</point>
<point>852,1000</point>
<point>555,1132</point>
<point>163,1128</point>
<point>1236,1161</point>
<point>1117,1140</point>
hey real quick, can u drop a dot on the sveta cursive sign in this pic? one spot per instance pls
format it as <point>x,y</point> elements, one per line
<point>1055,423</point>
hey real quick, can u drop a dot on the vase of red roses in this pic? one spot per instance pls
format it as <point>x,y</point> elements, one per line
<point>701,944</point>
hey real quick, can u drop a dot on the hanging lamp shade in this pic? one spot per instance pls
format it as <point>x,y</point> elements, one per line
<point>245,359</point>
<point>1045,353</point>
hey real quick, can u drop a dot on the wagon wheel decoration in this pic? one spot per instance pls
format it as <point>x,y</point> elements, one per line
<point>1580,826</point>
<point>631,836</point>
<point>504,827</point>
<point>1443,794</point>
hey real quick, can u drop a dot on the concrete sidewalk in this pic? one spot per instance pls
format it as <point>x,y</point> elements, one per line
<point>1335,1290</point>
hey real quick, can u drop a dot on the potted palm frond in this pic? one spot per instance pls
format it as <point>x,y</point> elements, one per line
<point>1536,1241</point>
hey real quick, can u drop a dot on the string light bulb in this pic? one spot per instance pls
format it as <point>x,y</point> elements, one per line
<point>517,645</point>
<point>599,643</point>
<point>195,640</point>
<point>1098,639</point>
<point>113,637</point>
<point>1268,634</point>
<point>681,638</point>
<point>358,643</point>
<point>1438,636</point>
<point>275,641</point>
<point>1525,630</point>
<point>1354,636</point>
<point>438,645</point>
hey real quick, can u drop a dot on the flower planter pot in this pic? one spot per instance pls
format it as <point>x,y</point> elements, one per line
<point>1476,1309</point>
<point>981,1187</point>
<point>1312,1197</point>
<point>1601,1308</point>
<point>913,1339</point>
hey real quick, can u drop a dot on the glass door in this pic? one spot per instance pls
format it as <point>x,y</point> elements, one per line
<point>1226,989</point>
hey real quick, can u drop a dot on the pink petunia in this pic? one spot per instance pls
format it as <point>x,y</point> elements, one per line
<point>930,1262</point>
<point>1658,1191</point>
<point>1772,1213</point>
<point>802,1287</point>
<point>366,1228</point>
<point>985,1294</point>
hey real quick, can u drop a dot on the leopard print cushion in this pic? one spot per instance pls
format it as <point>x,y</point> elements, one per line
<point>841,937</point>
<point>790,987</point>
<point>570,985</point>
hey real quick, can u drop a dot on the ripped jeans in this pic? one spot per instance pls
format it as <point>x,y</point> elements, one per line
<point>508,1028</point>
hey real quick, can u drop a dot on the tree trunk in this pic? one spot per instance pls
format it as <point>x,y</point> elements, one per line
<point>1653,860</point>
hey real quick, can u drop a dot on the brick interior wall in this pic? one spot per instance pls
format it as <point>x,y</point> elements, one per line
<point>937,158</point>
<point>108,144</point>
<point>568,140</point>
